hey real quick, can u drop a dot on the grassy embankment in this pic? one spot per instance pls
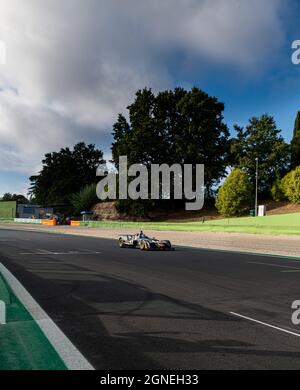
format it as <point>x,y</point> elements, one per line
<point>273,224</point>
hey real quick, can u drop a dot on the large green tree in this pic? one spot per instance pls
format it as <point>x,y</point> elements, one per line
<point>261,139</point>
<point>290,185</point>
<point>295,143</point>
<point>65,173</point>
<point>176,126</point>
<point>235,195</point>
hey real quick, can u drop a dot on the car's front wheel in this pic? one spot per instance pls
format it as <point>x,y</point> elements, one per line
<point>121,243</point>
<point>144,245</point>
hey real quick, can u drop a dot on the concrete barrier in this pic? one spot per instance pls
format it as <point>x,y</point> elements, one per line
<point>75,223</point>
<point>28,220</point>
<point>49,222</point>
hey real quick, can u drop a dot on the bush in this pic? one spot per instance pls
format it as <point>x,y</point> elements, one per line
<point>291,185</point>
<point>85,199</point>
<point>234,197</point>
<point>277,191</point>
<point>136,208</point>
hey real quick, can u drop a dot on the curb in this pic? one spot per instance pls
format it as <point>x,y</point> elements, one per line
<point>69,354</point>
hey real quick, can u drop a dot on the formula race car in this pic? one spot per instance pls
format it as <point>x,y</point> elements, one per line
<point>140,241</point>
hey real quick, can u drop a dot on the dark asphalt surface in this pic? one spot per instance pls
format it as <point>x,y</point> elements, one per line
<point>128,309</point>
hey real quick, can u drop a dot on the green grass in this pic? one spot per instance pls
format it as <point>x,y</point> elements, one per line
<point>273,224</point>
<point>23,344</point>
<point>6,220</point>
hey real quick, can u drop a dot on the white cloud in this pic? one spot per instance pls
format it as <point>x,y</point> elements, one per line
<point>2,53</point>
<point>72,65</point>
<point>14,187</point>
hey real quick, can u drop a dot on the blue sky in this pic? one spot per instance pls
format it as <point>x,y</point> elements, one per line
<point>66,79</point>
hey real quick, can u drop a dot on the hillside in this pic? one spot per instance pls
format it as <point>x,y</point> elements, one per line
<point>107,211</point>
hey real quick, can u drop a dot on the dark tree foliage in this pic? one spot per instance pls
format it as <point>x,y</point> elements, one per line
<point>295,144</point>
<point>261,139</point>
<point>174,127</point>
<point>84,199</point>
<point>64,173</point>
<point>15,197</point>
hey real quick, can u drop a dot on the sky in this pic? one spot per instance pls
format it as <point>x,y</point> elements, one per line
<point>73,65</point>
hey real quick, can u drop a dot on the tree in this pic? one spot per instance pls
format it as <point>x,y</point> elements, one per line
<point>235,195</point>
<point>174,127</point>
<point>295,143</point>
<point>291,185</point>
<point>7,197</point>
<point>277,190</point>
<point>15,197</point>
<point>261,139</point>
<point>64,173</point>
<point>84,199</point>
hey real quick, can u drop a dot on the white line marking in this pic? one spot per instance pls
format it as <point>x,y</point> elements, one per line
<point>67,272</point>
<point>70,355</point>
<point>264,323</point>
<point>43,251</point>
<point>273,265</point>
<point>59,253</point>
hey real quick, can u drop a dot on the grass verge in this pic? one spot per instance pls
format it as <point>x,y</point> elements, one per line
<point>23,344</point>
<point>6,220</point>
<point>273,224</point>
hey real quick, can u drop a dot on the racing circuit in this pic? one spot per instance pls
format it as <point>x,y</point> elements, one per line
<point>187,309</point>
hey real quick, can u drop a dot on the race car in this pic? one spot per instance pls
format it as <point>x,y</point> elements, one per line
<point>140,241</point>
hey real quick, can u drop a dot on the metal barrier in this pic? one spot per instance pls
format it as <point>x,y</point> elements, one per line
<point>28,220</point>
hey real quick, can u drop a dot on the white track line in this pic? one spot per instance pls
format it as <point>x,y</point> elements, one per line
<point>70,355</point>
<point>264,323</point>
<point>59,253</point>
<point>273,265</point>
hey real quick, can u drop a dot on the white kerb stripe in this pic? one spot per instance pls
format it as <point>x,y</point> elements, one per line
<point>70,355</point>
<point>264,323</point>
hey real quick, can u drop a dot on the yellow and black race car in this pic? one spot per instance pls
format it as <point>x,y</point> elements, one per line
<point>140,241</point>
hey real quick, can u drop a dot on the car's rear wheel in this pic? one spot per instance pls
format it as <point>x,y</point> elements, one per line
<point>121,243</point>
<point>169,245</point>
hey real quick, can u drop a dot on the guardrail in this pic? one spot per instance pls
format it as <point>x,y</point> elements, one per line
<point>28,220</point>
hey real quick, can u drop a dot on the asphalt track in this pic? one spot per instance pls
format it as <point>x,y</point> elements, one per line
<point>128,309</point>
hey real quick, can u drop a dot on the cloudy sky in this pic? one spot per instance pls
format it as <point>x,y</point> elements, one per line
<point>72,65</point>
